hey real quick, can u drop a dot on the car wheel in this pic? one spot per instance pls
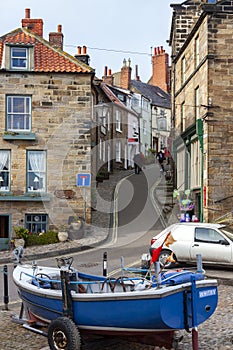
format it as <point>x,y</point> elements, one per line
<point>163,257</point>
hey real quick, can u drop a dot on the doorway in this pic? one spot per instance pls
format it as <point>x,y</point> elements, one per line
<point>4,232</point>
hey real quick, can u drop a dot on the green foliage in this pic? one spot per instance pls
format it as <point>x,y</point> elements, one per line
<point>48,237</point>
<point>21,232</point>
<point>31,239</point>
<point>153,151</point>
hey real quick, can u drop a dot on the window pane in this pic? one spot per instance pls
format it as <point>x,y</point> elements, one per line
<point>36,171</point>
<point>36,223</point>
<point>4,170</point>
<point>18,57</point>
<point>18,113</point>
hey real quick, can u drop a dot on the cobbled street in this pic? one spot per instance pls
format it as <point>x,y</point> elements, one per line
<point>214,334</point>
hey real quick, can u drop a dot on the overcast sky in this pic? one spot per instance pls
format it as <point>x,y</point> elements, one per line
<point>106,27</point>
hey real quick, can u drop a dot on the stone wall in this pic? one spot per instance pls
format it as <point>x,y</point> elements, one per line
<point>61,115</point>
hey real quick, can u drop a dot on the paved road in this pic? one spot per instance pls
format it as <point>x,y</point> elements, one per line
<point>137,210</point>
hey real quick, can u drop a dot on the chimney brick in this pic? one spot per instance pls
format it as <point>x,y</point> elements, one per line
<point>125,75</point>
<point>107,77</point>
<point>35,25</point>
<point>56,38</point>
<point>160,69</point>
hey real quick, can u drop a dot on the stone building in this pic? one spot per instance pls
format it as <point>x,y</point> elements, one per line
<point>45,108</point>
<point>151,101</point>
<point>202,105</point>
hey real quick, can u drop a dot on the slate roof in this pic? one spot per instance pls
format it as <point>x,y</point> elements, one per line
<point>46,57</point>
<point>113,98</point>
<point>158,96</point>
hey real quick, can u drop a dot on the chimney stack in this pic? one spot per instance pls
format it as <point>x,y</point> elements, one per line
<point>136,73</point>
<point>56,38</point>
<point>160,69</point>
<point>82,55</point>
<point>107,77</point>
<point>126,75</point>
<point>35,25</point>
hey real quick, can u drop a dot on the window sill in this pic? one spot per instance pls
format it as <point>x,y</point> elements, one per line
<point>30,136</point>
<point>34,197</point>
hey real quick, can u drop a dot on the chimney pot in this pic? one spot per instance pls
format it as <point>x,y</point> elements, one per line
<point>155,51</point>
<point>109,72</point>
<point>35,25</point>
<point>59,28</point>
<point>27,13</point>
<point>105,70</point>
<point>82,55</point>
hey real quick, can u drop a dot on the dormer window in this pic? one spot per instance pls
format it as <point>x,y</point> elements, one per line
<point>19,58</point>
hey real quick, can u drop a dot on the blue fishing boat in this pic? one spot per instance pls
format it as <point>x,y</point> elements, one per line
<point>76,305</point>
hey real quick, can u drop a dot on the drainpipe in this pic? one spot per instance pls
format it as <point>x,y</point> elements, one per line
<point>199,131</point>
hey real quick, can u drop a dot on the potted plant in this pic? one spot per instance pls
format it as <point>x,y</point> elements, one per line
<point>22,235</point>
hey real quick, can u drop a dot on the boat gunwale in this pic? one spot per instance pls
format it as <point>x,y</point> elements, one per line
<point>150,293</point>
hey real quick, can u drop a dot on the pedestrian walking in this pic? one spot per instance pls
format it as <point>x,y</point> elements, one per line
<point>160,157</point>
<point>139,161</point>
<point>136,160</point>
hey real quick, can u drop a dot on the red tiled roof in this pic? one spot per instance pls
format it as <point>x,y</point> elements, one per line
<point>47,58</point>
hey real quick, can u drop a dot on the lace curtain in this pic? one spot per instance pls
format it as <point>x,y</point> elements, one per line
<point>37,166</point>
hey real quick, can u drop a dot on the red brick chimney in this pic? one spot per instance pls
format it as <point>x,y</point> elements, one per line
<point>82,55</point>
<point>56,38</point>
<point>107,77</point>
<point>126,75</point>
<point>35,25</point>
<point>160,69</point>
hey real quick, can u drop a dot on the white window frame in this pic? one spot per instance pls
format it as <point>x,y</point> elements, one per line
<point>100,149</point>
<point>118,121</point>
<point>118,151</point>
<point>181,168</point>
<point>108,118</point>
<point>145,104</point>
<point>21,56</point>
<point>162,123</point>
<point>144,127</point>
<point>19,115</point>
<point>5,173</point>
<point>195,164</point>
<point>104,151</point>
<point>182,119</point>
<point>36,171</point>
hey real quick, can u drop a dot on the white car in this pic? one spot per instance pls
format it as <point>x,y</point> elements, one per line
<point>213,241</point>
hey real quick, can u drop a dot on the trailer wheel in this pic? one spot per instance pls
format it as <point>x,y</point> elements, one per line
<point>63,335</point>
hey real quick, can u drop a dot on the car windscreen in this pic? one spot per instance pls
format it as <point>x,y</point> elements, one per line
<point>228,231</point>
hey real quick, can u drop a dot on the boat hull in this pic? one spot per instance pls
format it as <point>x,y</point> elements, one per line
<point>147,311</point>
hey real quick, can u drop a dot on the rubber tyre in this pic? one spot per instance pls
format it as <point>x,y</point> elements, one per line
<point>163,256</point>
<point>63,335</point>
